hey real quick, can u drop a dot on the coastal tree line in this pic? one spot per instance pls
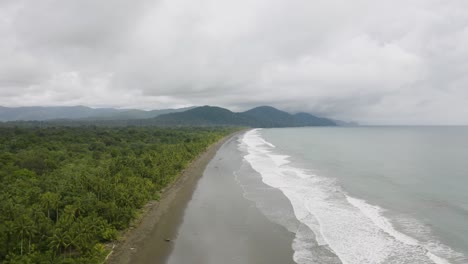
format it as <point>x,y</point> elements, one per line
<point>66,191</point>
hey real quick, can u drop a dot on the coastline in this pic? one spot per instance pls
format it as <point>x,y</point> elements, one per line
<point>222,224</point>
<point>160,220</point>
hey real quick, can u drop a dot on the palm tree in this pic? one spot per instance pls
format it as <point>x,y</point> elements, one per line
<point>24,226</point>
<point>50,201</point>
<point>10,231</point>
<point>58,241</point>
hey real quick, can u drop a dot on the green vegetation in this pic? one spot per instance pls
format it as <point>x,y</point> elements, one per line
<point>65,191</point>
<point>263,116</point>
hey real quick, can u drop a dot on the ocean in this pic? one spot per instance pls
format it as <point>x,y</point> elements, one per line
<point>363,194</point>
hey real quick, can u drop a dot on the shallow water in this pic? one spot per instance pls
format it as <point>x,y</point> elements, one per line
<point>367,194</point>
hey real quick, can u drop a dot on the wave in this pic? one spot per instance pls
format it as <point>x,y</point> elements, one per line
<point>354,230</point>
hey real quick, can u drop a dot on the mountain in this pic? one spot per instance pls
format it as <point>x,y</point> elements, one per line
<point>263,116</point>
<point>40,113</point>
<point>46,113</point>
<point>200,116</point>
<point>128,114</point>
<point>269,116</point>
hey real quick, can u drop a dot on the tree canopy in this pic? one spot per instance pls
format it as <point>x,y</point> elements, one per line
<point>65,191</point>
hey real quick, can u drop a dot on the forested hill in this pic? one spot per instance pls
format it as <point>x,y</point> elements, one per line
<point>203,116</point>
<point>263,116</point>
<point>65,191</point>
<point>271,117</point>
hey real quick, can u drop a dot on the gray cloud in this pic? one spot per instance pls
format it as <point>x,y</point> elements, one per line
<point>395,62</point>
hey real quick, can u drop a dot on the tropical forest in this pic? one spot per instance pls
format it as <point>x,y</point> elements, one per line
<point>67,192</point>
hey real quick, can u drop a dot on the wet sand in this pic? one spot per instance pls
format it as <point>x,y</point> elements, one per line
<point>162,218</point>
<point>207,220</point>
<point>221,226</point>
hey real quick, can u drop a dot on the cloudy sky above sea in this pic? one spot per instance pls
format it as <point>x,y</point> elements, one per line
<point>373,61</point>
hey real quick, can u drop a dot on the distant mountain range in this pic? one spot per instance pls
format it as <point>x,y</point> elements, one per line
<point>40,113</point>
<point>263,116</point>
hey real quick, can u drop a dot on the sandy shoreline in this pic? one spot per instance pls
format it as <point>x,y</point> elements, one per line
<point>221,224</point>
<point>161,219</point>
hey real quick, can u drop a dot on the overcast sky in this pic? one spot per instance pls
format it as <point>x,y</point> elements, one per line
<point>379,62</point>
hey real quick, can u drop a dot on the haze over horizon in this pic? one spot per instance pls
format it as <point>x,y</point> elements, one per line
<point>376,62</point>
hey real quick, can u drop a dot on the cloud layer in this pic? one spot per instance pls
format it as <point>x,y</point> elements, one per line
<point>379,62</point>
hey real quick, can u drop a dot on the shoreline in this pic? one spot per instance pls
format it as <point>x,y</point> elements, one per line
<point>170,208</point>
<point>221,224</point>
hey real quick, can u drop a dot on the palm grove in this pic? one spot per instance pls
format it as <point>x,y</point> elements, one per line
<point>65,192</point>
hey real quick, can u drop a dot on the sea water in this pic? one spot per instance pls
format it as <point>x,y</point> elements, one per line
<point>366,194</point>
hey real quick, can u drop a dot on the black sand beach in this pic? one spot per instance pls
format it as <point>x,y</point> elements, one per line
<point>207,220</point>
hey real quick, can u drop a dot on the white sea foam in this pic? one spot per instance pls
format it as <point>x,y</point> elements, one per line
<point>375,214</point>
<point>354,230</point>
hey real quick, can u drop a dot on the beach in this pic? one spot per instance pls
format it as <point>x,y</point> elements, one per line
<point>366,194</point>
<point>205,218</point>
